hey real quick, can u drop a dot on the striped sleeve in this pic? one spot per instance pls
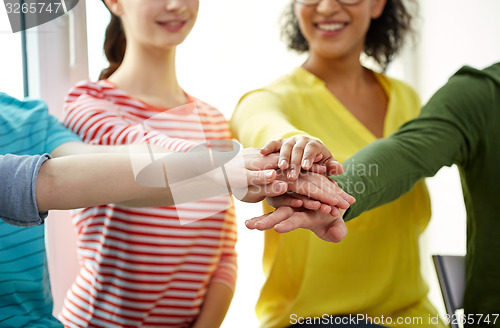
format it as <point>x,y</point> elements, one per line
<point>98,120</point>
<point>226,271</point>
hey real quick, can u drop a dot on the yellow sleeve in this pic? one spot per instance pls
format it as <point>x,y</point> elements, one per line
<point>259,117</point>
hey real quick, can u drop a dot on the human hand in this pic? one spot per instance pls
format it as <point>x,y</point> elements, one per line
<point>316,191</point>
<point>251,176</point>
<point>302,152</point>
<point>260,172</point>
<point>285,219</point>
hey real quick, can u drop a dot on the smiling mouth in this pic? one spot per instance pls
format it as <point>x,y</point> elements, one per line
<point>172,23</point>
<point>330,27</point>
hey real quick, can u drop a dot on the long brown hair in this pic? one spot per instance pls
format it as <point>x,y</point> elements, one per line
<point>115,44</point>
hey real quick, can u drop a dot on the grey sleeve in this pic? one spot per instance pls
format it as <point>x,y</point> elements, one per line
<point>18,176</point>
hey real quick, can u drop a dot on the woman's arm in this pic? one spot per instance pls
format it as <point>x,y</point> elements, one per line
<point>223,281</point>
<point>215,306</point>
<point>448,131</point>
<point>93,179</point>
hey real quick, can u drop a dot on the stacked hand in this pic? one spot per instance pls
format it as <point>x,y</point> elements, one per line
<point>263,178</point>
<point>313,201</point>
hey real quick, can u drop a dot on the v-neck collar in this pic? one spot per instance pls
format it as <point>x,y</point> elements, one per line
<point>312,80</point>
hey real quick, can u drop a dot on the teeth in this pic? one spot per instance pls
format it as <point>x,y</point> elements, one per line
<point>330,27</point>
<point>173,23</point>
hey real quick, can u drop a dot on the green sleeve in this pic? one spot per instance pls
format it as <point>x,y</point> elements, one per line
<point>447,132</point>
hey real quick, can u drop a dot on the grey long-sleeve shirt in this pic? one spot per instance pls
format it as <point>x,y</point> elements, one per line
<point>18,176</point>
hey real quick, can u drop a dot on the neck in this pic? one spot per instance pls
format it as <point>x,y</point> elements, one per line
<point>149,74</point>
<point>345,73</point>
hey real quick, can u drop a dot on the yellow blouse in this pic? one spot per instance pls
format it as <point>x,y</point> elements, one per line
<point>375,270</point>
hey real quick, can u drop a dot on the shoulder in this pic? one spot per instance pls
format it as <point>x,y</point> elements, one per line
<point>100,90</point>
<point>87,95</point>
<point>279,91</point>
<point>403,96</point>
<point>474,78</point>
<point>401,88</point>
<point>291,83</point>
<point>19,112</point>
<point>85,88</point>
<point>207,109</point>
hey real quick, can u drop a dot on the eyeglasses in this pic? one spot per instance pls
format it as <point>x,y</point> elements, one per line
<point>315,2</point>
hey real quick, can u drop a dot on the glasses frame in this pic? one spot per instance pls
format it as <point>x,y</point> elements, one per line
<point>316,2</point>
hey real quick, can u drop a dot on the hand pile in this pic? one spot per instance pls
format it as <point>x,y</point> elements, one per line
<point>301,192</point>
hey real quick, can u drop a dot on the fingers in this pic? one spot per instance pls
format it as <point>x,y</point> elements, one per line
<point>255,194</point>
<point>271,147</point>
<point>256,161</point>
<point>310,190</point>
<point>267,221</point>
<point>284,200</point>
<point>336,232</point>
<point>295,220</point>
<point>333,167</point>
<point>316,168</point>
<point>324,226</point>
<point>256,178</point>
<point>296,160</point>
<point>286,153</point>
<point>312,153</point>
<point>301,152</point>
<point>306,202</point>
<point>348,198</point>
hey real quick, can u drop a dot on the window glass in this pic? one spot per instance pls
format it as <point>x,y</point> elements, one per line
<point>11,67</point>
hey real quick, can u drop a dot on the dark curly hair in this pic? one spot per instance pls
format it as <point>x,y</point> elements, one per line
<point>384,38</point>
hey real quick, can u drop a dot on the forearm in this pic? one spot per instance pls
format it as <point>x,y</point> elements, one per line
<point>90,180</point>
<point>388,168</point>
<point>215,306</point>
<point>134,180</point>
<point>94,179</point>
<point>446,132</point>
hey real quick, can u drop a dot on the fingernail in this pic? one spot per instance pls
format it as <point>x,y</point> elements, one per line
<point>343,204</point>
<point>269,174</point>
<point>348,198</point>
<point>279,187</point>
<point>306,164</point>
<point>282,164</point>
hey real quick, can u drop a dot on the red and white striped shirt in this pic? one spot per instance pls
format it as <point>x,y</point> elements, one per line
<point>140,266</point>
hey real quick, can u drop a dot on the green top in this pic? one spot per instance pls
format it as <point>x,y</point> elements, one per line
<point>459,125</point>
